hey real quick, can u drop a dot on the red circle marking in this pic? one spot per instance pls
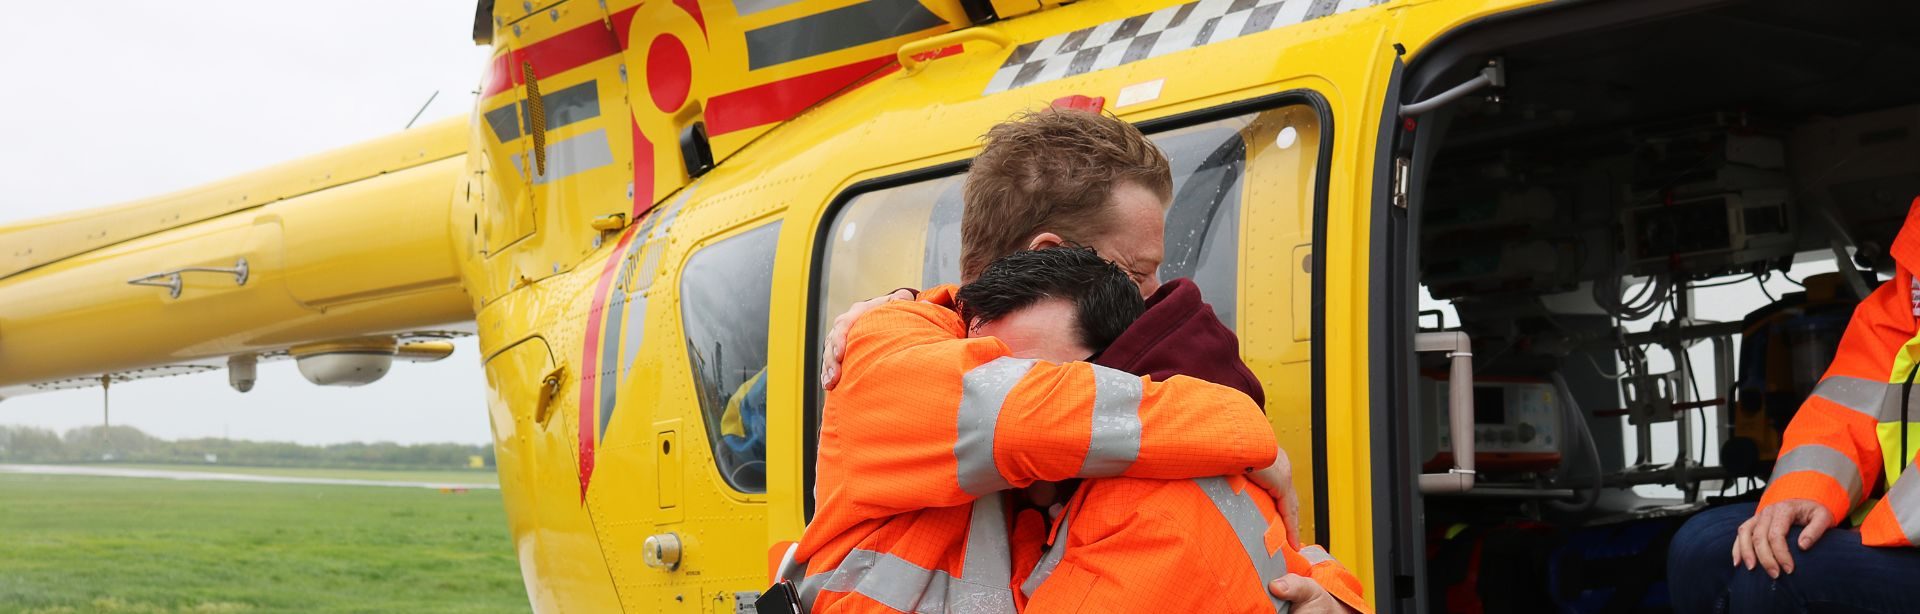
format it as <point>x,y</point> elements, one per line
<point>669,73</point>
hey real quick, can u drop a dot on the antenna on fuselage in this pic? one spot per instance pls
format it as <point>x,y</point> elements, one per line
<point>423,109</point>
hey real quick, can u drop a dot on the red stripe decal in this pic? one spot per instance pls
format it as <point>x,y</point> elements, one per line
<point>692,7</point>
<point>642,174</point>
<point>781,100</point>
<point>623,26</point>
<point>563,52</point>
<point>590,368</point>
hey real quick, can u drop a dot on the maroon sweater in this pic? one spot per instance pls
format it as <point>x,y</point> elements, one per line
<point>1180,335</point>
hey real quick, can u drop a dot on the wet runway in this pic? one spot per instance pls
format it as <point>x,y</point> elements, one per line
<point>205,476</point>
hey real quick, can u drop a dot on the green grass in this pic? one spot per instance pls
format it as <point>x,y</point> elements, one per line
<point>91,544</point>
<point>476,476</point>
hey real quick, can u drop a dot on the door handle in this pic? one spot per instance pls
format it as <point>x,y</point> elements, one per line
<point>171,279</point>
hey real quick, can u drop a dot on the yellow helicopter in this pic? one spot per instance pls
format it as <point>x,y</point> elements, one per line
<point>656,207</point>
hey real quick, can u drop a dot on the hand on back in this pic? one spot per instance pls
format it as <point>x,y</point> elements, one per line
<point>836,345</point>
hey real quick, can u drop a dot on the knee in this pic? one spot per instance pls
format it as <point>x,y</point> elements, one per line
<point>1707,538</point>
<point>1751,590</point>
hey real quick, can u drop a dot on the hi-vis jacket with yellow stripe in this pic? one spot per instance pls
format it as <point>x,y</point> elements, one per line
<point>1858,427</point>
<point>927,427</point>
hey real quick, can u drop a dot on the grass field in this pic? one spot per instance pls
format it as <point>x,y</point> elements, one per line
<point>451,476</point>
<point>93,544</point>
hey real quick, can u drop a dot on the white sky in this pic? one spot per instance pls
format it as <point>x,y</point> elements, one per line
<point>113,101</point>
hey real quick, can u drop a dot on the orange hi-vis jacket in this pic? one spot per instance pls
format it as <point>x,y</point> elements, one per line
<point>928,427</point>
<point>1858,428</point>
<point>1200,545</point>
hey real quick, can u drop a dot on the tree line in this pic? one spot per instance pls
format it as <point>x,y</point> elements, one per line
<point>25,444</point>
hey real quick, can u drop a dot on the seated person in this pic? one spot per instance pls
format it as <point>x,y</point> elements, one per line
<point>743,433</point>
<point>932,414</point>
<point>1843,459</point>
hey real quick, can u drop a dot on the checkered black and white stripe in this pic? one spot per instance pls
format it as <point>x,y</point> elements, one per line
<point>1155,34</point>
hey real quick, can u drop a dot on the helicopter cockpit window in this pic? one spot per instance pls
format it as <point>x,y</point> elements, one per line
<point>725,294</point>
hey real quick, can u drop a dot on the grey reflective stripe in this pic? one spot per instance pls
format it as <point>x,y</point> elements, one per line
<point>1862,395</point>
<point>1904,496</point>
<point>572,156</point>
<point>1114,442</point>
<point>1824,460</point>
<point>749,7</point>
<point>1051,559</point>
<point>833,30</point>
<point>1251,527</point>
<point>988,560</point>
<point>1315,555</point>
<point>983,390</point>
<point>902,585</point>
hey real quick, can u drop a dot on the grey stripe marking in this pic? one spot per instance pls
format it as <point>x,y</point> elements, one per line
<point>1251,527</point>
<point>572,156</point>
<point>1322,8</point>
<point>1206,31</point>
<point>1861,395</point>
<point>1823,460</point>
<point>1051,559</point>
<point>1074,41</point>
<point>1114,441</point>
<point>748,7</point>
<point>1082,61</point>
<point>841,28</point>
<point>1315,555</point>
<point>1260,20</point>
<point>1028,73</point>
<point>984,389</point>
<point>1021,53</point>
<point>1905,499</point>
<point>610,344</point>
<point>1139,48</point>
<point>577,103</point>
<point>505,122</point>
<point>904,586</point>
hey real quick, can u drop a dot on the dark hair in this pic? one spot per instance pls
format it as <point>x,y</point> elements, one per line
<point>1052,171</point>
<point>1105,300</point>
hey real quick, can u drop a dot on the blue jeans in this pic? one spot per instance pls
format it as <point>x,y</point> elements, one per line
<point>1838,574</point>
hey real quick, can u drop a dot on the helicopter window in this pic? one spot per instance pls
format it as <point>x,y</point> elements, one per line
<point>725,294</point>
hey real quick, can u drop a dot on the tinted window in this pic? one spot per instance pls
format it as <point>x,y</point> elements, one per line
<point>724,293</point>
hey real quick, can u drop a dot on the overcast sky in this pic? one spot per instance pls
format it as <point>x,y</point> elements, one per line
<point>114,101</point>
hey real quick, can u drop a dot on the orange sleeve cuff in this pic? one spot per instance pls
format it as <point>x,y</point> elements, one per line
<point>1811,486</point>
<point>1341,584</point>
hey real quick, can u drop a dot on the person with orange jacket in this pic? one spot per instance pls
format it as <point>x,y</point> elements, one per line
<point>1126,554</point>
<point>933,420</point>
<point>1200,545</point>
<point>1854,437</point>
